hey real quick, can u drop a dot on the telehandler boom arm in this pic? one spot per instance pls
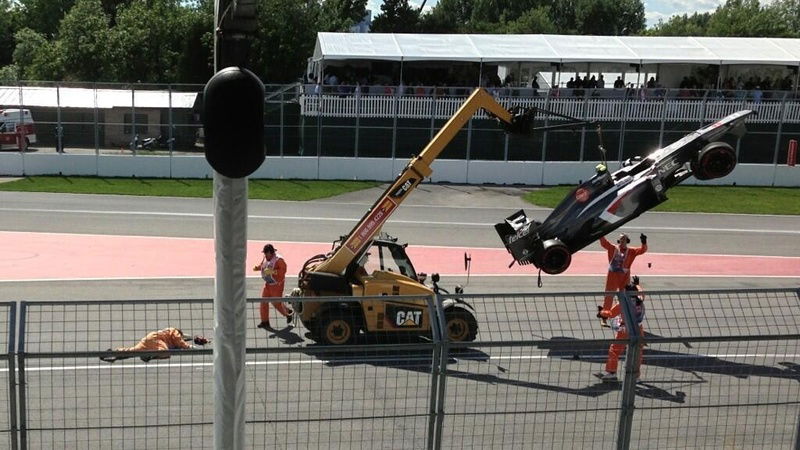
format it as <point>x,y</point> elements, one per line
<point>516,120</point>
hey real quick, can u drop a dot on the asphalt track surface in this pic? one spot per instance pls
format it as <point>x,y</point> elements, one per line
<point>84,247</point>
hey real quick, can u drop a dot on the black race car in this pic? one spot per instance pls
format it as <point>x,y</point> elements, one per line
<point>609,200</point>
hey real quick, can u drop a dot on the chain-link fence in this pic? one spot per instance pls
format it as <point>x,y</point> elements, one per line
<point>719,369</point>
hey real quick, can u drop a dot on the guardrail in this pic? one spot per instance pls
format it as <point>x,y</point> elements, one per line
<point>720,369</point>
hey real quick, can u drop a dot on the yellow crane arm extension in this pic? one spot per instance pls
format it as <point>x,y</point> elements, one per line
<point>413,174</point>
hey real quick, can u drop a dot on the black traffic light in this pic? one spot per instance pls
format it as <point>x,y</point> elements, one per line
<point>233,122</point>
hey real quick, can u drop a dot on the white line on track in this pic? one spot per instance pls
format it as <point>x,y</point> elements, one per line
<point>484,275</point>
<point>353,220</point>
<point>423,359</point>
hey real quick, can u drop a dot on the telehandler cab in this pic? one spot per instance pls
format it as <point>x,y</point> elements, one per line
<point>368,263</point>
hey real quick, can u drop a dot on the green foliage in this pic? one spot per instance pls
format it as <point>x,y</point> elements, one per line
<point>710,199</point>
<point>9,24</point>
<point>9,73</point>
<point>292,190</point>
<point>598,17</point>
<point>147,41</point>
<point>740,18</point>
<point>82,44</point>
<point>448,16</point>
<point>44,16</point>
<point>35,57</point>
<point>286,35</point>
<point>340,15</point>
<point>534,21</point>
<point>747,18</point>
<point>396,16</point>
<point>609,17</point>
<point>171,41</point>
<point>685,25</point>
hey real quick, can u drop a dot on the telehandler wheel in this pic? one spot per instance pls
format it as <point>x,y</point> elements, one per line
<point>335,328</point>
<point>460,325</point>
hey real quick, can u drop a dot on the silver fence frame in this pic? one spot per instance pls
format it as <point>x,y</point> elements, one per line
<point>439,346</point>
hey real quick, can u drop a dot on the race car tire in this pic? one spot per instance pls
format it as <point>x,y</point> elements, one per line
<point>460,325</point>
<point>554,257</point>
<point>336,328</point>
<point>715,160</point>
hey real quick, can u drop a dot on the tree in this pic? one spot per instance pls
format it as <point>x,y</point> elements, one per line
<point>287,31</point>
<point>448,16</point>
<point>9,22</point>
<point>534,21</point>
<point>396,16</point>
<point>147,41</point>
<point>685,25</point>
<point>196,62</point>
<point>609,17</point>
<point>747,18</point>
<point>340,15</point>
<point>44,16</point>
<point>83,42</point>
<point>35,57</point>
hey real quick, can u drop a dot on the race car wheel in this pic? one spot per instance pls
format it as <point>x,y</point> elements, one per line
<point>460,325</point>
<point>715,160</point>
<point>335,328</point>
<point>554,257</point>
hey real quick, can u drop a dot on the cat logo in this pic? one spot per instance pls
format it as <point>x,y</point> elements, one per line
<point>403,190</point>
<point>411,318</point>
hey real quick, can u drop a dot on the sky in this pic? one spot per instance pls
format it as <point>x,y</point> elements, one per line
<point>654,9</point>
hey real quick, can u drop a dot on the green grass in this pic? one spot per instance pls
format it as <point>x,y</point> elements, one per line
<point>710,199</point>
<point>295,190</point>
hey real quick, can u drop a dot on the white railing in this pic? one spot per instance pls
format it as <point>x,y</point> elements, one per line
<point>602,109</point>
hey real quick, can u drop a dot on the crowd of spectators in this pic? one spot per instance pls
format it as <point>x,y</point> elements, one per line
<point>344,82</point>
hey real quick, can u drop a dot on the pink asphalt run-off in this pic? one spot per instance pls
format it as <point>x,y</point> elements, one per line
<point>58,256</point>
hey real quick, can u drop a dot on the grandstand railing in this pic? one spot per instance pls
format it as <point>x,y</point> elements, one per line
<point>666,107</point>
<point>721,369</point>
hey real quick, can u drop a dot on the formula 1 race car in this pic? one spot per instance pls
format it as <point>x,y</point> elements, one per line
<point>607,201</point>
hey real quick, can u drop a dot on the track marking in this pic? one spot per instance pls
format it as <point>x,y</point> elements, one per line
<point>398,221</point>
<point>603,356</point>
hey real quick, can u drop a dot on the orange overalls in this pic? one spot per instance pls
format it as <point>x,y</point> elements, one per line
<point>166,339</point>
<point>615,350</point>
<point>273,285</point>
<point>619,268</point>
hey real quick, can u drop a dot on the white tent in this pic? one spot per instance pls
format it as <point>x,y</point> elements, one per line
<point>557,48</point>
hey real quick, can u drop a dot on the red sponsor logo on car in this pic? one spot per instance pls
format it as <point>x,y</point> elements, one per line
<point>582,195</point>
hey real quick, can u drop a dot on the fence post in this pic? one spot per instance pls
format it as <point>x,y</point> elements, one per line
<point>632,355</point>
<point>436,335</point>
<point>12,376</point>
<point>441,369</point>
<point>21,385</point>
<point>797,434</point>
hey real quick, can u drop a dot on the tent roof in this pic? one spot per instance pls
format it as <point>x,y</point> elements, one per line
<point>556,48</point>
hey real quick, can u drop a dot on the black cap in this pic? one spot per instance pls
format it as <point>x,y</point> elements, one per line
<point>268,248</point>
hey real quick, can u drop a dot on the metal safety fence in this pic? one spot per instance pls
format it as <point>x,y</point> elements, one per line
<point>718,369</point>
<point>76,120</point>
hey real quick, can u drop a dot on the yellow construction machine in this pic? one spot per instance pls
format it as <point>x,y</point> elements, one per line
<point>369,263</point>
